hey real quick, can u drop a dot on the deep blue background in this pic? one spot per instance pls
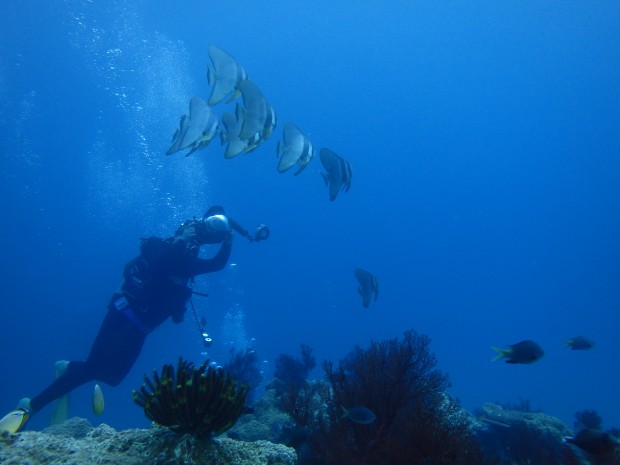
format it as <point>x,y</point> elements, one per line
<point>484,139</point>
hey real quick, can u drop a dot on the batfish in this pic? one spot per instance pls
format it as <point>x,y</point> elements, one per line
<point>196,130</point>
<point>368,286</point>
<point>230,135</point>
<point>224,76</point>
<point>296,148</point>
<point>256,115</point>
<point>337,173</point>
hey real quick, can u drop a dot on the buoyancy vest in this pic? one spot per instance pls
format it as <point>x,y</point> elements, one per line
<point>154,282</point>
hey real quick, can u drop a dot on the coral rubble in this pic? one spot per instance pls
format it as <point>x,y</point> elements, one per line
<point>77,442</point>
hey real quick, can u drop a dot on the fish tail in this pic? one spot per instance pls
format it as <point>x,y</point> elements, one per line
<point>501,353</point>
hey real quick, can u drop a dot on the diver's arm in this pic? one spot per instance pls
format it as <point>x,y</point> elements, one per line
<point>240,229</point>
<point>218,262</point>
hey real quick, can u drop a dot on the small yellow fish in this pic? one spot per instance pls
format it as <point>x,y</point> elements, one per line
<point>13,421</point>
<point>98,403</point>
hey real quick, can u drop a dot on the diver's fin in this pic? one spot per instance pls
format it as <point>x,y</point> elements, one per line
<point>13,421</point>
<point>60,413</point>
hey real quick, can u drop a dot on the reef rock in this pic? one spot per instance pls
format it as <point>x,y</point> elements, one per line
<point>266,423</point>
<point>515,436</point>
<point>77,442</point>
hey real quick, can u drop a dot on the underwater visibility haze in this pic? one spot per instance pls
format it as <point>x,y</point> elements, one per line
<point>474,175</point>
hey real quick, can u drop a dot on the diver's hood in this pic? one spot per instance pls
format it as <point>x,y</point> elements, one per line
<point>214,210</point>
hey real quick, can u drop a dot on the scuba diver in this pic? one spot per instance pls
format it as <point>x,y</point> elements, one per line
<point>156,285</point>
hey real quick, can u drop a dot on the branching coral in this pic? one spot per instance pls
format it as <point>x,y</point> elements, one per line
<point>243,365</point>
<point>588,419</point>
<point>293,372</point>
<point>193,400</point>
<point>294,392</point>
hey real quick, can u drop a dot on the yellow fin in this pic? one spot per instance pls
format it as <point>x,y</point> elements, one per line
<point>98,402</point>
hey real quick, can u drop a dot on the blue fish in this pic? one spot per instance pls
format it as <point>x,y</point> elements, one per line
<point>359,415</point>
<point>521,352</point>
<point>579,343</point>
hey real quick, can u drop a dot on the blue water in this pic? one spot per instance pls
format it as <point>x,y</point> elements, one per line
<point>485,197</point>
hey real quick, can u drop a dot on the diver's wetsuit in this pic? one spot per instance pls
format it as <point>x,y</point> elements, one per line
<point>155,287</point>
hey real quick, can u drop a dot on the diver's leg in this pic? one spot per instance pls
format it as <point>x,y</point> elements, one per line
<point>77,374</point>
<point>114,351</point>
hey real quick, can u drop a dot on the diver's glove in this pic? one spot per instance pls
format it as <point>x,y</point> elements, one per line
<point>188,235</point>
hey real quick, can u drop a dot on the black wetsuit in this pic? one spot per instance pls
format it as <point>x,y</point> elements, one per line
<point>155,287</point>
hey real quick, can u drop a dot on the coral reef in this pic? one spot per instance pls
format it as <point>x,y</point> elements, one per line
<point>291,372</point>
<point>588,419</point>
<point>267,422</point>
<point>243,366</point>
<point>515,437</point>
<point>292,389</point>
<point>520,405</point>
<point>77,442</point>
<point>200,401</point>
<point>416,422</point>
